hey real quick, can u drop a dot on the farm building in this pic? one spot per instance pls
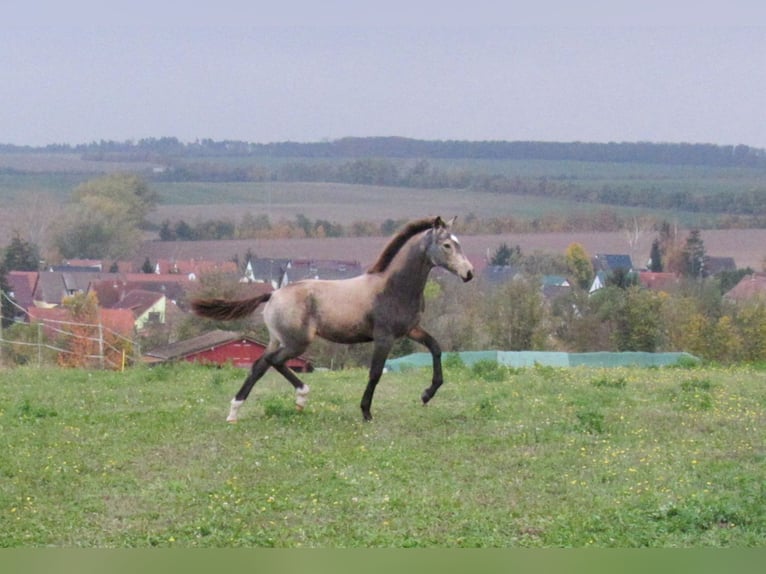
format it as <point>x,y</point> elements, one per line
<point>218,348</point>
<point>750,287</point>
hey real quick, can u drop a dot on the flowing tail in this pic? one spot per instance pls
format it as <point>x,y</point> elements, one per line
<point>225,310</point>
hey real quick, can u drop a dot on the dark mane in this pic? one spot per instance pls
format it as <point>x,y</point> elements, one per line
<point>398,241</point>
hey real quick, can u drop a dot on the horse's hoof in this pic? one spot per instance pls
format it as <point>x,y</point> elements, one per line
<point>231,421</point>
<point>301,397</point>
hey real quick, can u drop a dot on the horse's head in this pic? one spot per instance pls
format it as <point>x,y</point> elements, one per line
<point>444,250</point>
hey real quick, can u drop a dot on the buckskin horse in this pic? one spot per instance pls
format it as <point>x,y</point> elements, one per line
<point>381,305</point>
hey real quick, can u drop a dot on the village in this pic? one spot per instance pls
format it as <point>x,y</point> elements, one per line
<point>135,299</point>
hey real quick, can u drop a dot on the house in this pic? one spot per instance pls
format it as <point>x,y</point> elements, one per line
<point>300,269</point>
<point>272,271</point>
<point>608,262</point>
<point>280,272</point>
<point>605,264</point>
<point>56,320</point>
<point>658,281</point>
<point>750,287</point>
<point>218,348</point>
<point>173,287</point>
<point>499,274</point>
<point>192,268</point>
<point>599,282</point>
<point>93,265</point>
<point>716,265</point>
<point>53,286</point>
<point>148,307</point>
<point>22,285</point>
<point>555,286</point>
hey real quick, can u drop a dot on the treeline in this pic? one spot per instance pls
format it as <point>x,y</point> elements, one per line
<point>423,174</point>
<point>398,147</point>
<point>261,227</point>
<point>251,226</point>
<point>401,162</point>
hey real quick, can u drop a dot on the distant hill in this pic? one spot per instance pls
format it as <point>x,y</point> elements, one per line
<point>399,147</point>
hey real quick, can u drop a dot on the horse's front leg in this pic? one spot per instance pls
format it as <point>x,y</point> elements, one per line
<point>421,336</point>
<point>379,355</point>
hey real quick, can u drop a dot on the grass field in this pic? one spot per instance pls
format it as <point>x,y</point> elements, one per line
<point>539,457</point>
<point>346,203</point>
<point>56,175</point>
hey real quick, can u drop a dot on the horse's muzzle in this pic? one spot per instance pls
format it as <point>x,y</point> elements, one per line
<point>467,277</point>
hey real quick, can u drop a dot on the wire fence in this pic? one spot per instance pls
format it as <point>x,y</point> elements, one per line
<point>41,340</point>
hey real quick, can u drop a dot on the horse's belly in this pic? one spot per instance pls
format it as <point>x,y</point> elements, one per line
<point>339,330</point>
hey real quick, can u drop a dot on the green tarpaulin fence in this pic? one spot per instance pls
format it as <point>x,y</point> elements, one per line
<point>518,359</point>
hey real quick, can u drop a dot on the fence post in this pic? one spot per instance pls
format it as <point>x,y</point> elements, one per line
<point>101,357</point>
<point>2,294</point>
<point>39,344</point>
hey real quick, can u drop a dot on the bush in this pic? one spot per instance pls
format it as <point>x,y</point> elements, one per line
<point>490,371</point>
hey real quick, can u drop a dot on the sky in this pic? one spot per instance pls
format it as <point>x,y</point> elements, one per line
<point>78,72</point>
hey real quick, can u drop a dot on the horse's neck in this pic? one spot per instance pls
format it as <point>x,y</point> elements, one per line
<point>409,270</point>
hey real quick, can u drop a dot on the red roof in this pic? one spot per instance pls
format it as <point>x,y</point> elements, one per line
<point>658,281</point>
<point>219,347</point>
<point>118,320</point>
<point>751,286</point>
<point>201,266</point>
<point>138,301</point>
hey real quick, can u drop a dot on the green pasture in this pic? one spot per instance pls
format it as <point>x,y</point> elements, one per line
<point>536,457</point>
<point>56,175</point>
<point>16,187</point>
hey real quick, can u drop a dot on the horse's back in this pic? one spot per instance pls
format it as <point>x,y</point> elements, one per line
<point>338,310</point>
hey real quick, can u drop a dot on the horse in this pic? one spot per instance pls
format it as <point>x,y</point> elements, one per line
<point>379,306</point>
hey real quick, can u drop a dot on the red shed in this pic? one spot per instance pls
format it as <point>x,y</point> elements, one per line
<point>218,348</point>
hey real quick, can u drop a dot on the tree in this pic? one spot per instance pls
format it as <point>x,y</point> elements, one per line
<point>105,218</point>
<point>579,265</point>
<point>21,255</point>
<point>631,315</point>
<point>86,341</point>
<point>6,305</point>
<point>655,257</point>
<point>694,256</point>
<point>120,195</point>
<point>514,316</point>
<point>505,255</point>
<point>81,344</point>
<point>751,323</point>
<point>621,278</point>
<point>94,236</point>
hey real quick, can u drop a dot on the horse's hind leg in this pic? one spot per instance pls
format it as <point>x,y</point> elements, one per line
<point>258,369</point>
<point>301,388</point>
<point>274,358</point>
<point>278,360</point>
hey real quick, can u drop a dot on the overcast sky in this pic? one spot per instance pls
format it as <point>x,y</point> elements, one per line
<point>312,71</point>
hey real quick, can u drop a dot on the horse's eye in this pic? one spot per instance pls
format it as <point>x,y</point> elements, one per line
<point>447,246</point>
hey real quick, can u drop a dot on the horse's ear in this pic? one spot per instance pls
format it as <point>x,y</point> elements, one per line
<point>439,222</point>
<point>451,221</point>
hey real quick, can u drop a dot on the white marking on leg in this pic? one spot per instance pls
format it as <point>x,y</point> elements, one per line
<point>301,397</point>
<point>233,410</point>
